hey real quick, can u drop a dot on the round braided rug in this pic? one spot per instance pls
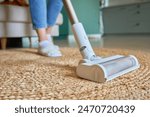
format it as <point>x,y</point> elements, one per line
<point>26,75</point>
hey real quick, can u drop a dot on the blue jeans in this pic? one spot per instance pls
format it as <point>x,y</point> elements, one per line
<point>44,12</point>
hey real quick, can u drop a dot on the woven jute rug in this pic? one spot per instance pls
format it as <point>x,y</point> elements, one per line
<point>26,75</point>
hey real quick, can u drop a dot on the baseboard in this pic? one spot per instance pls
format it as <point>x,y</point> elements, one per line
<point>90,36</point>
<point>95,39</point>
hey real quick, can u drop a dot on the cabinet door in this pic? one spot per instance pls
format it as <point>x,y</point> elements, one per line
<point>140,22</point>
<point>138,27</point>
<point>145,12</point>
<point>127,19</point>
<point>114,20</point>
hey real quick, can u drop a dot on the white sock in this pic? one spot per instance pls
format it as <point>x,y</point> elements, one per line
<point>44,43</point>
<point>47,49</point>
<point>50,39</point>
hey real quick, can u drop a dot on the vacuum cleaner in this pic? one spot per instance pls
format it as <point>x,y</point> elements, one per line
<point>92,67</point>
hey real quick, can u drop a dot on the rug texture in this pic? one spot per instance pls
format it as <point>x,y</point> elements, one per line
<point>26,75</point>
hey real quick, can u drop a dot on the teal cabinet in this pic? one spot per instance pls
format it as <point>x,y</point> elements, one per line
<point>134,18</point>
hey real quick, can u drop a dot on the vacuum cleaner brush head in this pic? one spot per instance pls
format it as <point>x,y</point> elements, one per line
<point>92,67</point>
<point>106,69</point>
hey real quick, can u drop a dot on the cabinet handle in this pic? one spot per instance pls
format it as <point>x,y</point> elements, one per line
<point>138,6</point>
<point>137,24</point>
<point>138,12</point>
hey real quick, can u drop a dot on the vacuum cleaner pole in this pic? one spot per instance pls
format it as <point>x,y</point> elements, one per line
<point>72,15</point>
<point>79,33</point>
<point>92,67</point>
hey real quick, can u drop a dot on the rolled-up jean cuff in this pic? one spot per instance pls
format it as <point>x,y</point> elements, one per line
<point>50,25</point>
<point>39,27</point>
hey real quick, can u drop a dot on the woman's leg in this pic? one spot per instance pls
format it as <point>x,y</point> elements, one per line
<point>53,9</point>
<point>38,9</point>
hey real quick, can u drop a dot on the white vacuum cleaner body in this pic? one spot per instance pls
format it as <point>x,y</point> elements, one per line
<point>107,68</point>
<point>93,67</point>
<point>100,69</point>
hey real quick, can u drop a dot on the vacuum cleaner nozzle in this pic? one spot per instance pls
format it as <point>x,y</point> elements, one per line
<point>106,69</point>
<point>92,67</point>
<point>96,68</point>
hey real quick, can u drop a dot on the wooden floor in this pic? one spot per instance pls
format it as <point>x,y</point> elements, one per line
<point>135,42</point>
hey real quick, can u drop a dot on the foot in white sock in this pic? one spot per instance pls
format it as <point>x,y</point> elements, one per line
<point>51,41</point>
<point>48,49</point>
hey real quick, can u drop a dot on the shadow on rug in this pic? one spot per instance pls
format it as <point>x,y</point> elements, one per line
<point>27,75</point>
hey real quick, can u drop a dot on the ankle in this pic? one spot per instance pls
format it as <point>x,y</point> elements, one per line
<point>44,43</point>
<point>50,39</point>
